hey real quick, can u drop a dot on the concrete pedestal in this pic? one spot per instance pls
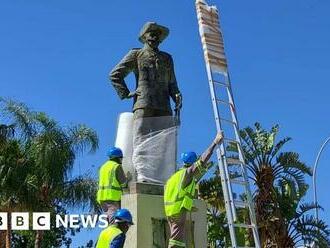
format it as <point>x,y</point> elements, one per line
<point>145,201</point>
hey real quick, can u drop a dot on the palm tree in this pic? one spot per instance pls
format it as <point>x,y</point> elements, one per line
<point>14,180</point>
<point>51,151</point>
<point>6,132</point>
<point>269,168</point>
<point>300,227</point>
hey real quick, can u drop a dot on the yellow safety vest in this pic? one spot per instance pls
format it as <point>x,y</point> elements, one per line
<point>107,235</point>
<point>109,187</point>
<point>176,197</point>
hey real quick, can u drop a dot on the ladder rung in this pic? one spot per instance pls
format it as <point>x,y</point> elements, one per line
<point>243,225</point>
<point>233,161</point>
<point>231,140</point>
<point>241,204</point>
<point>222,101</point>
<point>238,181</point>
<point>229,121</point>
<point>220,83</point>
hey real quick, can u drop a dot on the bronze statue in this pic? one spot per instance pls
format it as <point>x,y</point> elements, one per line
<point>155,85</point>
<point>154,73</point>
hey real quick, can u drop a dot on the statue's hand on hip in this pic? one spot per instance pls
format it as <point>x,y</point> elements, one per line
<point>133,94</point>
<point>178,101</point>
<point>129,176</point>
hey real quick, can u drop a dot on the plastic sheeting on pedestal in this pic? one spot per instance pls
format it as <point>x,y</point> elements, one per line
<point>154,148</point>
<point>124,140</point>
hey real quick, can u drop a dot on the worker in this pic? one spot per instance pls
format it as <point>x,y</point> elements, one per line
<point>112,180</point>
<point>114,235</point>
<point>180,190</point>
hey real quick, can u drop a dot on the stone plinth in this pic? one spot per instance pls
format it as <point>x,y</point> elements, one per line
<point>146,188</point>
<point>145,201</point>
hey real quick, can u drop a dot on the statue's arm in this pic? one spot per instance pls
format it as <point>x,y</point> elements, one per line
<point>118,74</point>
<point>173,85</point>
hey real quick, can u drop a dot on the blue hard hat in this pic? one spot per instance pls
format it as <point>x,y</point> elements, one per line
<point>123,215</point>
<point>115,152</point>
<point>188,157</point>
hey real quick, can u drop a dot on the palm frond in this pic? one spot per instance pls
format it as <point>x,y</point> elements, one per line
<point>20,115</point>
<point>278,146</point>
<point>52,155</point>
<point>305,207</point>
<point>291,160</point>
<point>81,192</point>
<point>46,123</point>
<point>83,138</point>
<point>310,230</point>
<point>6,132</point>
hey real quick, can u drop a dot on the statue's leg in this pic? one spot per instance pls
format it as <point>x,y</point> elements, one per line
<point>142,127</point>
<point>150,148</point>
<point>165,120</point>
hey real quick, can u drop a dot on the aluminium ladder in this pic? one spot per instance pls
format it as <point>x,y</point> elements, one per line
<point>231,164</point>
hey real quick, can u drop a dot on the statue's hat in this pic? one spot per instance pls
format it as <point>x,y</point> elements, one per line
<point>153,26</point>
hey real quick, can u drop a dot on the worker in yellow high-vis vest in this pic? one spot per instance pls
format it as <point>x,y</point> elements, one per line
<point>111,181</point>
<point>180,190</point>
<point>114,235</point>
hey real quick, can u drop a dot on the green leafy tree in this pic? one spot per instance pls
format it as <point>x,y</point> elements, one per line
<point>299,227</point>
<point>270,169</point>
<point>279,180</point>
<point>55,237</point>
<point>210,191</point>
<point>15,182</point>
<point>45,152</point>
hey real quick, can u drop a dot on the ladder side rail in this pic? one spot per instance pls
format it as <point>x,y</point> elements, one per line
<point>220,151</point>
<point>208,16</point>
<point>227,181</point>
<point>223,149</point>
<point>238,138</point>
<point>253,218</point>
<point>227,199</point>
<point>234,120</point>
<point>234,117</point>
<point>219,119</point>
<point>241,153</point>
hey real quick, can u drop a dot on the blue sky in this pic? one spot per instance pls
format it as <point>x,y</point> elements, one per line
<point>56,55</point>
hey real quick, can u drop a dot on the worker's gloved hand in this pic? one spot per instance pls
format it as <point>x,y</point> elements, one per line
<point>129,176</point>
<point>133,94</point>
<point>218,139</point>
<point>178,101</point>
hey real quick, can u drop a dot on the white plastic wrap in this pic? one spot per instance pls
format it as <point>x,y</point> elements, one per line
<point>155,145</point>
<point>124,140</point>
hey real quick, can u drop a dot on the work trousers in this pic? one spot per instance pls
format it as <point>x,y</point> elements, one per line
<point>110,208</point>
<point>177,230</point>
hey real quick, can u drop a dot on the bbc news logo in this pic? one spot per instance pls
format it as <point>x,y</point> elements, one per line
<point>41,221</point>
